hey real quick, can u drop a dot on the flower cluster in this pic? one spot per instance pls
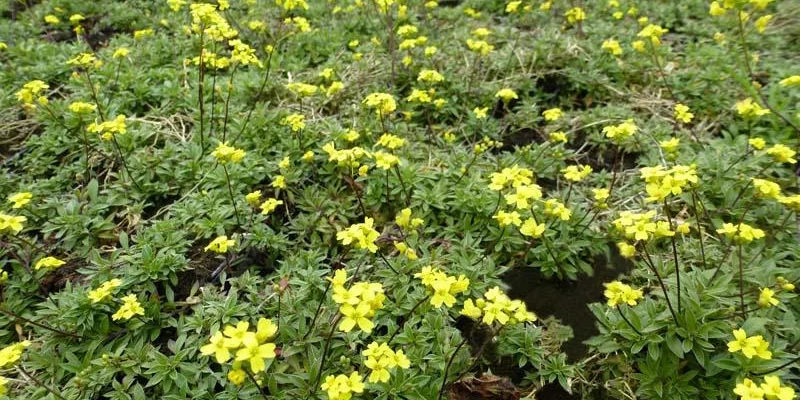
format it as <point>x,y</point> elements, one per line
<point>104,290</point>
<point>661,183</point>
<point>227,154</point>
<point>358,303</point>
<point>642,226</point>
<point>346,157</point>
<point>621,131</point>
<point>403,220</point>
<point>512,176</point>
<point>383,103</point>
<point>497,306</point>
<point>342,387</point>
<point>49,263</point>
<point>109,129</point>
<point>361,235</point>
<point>11,223</point>
<point>576,173</point>
<point>130,307</point>
<point>770,389</point>
<point>9,355</point>
<point>380,359</point>
<point>31,91</point>
<point>443,287</point>
<point>750,346</point>
<point>617,293</point>
<point>220,244</point>
<point>246,346</point>
<point>741,234</point>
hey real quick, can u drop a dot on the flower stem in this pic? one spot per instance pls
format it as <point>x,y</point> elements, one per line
<point>674,254</point>
<point>624,318</point>
<point>34,323</point>
<point>255,382</point>
<point>447,366</point>
<point>230,192</point>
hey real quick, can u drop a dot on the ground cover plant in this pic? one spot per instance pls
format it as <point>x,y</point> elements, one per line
<point>335,199</point>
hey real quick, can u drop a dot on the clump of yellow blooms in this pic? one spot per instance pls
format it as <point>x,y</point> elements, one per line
<point>443,287</point>
<point>513,176</point>
<point>206,20</point>
<point>496,306</point>
<point>390,141</point>
<point>641,227</point>
<point>524,193</point>
<point>11,223</point>
<point>380,358</point>
<point>243,345</point>
<point>748,108</point>
<point>80,107</point>
<point>347,157</point>
<point>793,80</point>
<point>104,290</point>
<point>295,122</point>
<point>30,91</point>
<point>504,218</point>
<point>403,249</point>
<point>506,95</point>
<point>750,346</point>
<point>430,76</point>
<point>532,229</point>
<point>385,160</point>
<point>555,208</point>
<point>682,113</point>
<point>575,15</point>
<point>225,154</point>
<point>770,389</point>
<point>302,89</point>
<point>403,220</point>
<point>220,245</point>
<point>612,46</point>
<point>670,146</point>
<point>383,103</point>
<point>49,263</point>
<point>269,205</point>
<point>109,129</point>
<point>19,200</point>
<point>557,137</point>
<point>480,47</point>
<point>486,144</point>
<point>10,354</point>
<point>130,307</point>
<point>661,183</point>
<point>357,304</point>
<point>652,32</point>
<point>766,298</point>
<point>741,234</point>
<point>552,114</point>
<point>576,173</point>
<point>622,131</point>
<point>361,235</point>
<point>342,387</point>
<point>617,293</point>
<point>781,153</point>
<point>766,188</point>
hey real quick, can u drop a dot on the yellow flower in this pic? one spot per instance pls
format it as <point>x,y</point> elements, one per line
<point>507,218</point>
<point>142,33</point>
<point>52,19</point>
<point>430,76</point>
<point>619,132</point>
<point>638,45</point>
<point>774,391</point>
<point>617,292</point>
<point>382,103</point>
<point>652,32</point>
<point>793,80</point>
<point>552,114</point>
<point>235,335</point>
<point>430,51</point>
<point>531,228</point>
<point>121,52</point>
<point>295,122</point>
<point>220,245</point>
<point>748,390</point>
<point>253,198</point>
<point>480,113</point>
<point>385,160</point>
<point>481,47</point>
<point>715,9</point>
<point>557,137</point>
<point>506,95</point>
<point>361,235</point>
<point>761,23</point>
<point>670,146</point>
<point>108,129</point>
<point>513,6</point>
<point>682,113</point>
<point>342,387</point>
<point>217,347</point>
<point>626,250</point>
<point>555,208</point>
<point>749,346</point>
<point>782,154</point>
<point>742,234</point>
<point>130,307</point>
<point>227,154</point>
<point>390,141</point>
<point>308,156</point>
<point>612,46</point>
<point>747,108</point>
<point>237,376</point>
<point>49,262</point>
<point>269,205</point>
<point>279,182</point>
<point>576,173</point>
<point>302,89</point>
<point>403,219</point>
<point>20,199</point>
<point>254,353</point>
<point>104,290</point>
<point>766,298</point>
<point>175,5</point>
<point>575,15</point>
<point>497,306</point>
<point>80,107</point>
<point>757,143</point>
<point>11,223</point>
<point>30,90</point>
<point>10,354</point>
<point>766,188</point>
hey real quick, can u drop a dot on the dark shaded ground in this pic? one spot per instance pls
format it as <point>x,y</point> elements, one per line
<point>567,300</point>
